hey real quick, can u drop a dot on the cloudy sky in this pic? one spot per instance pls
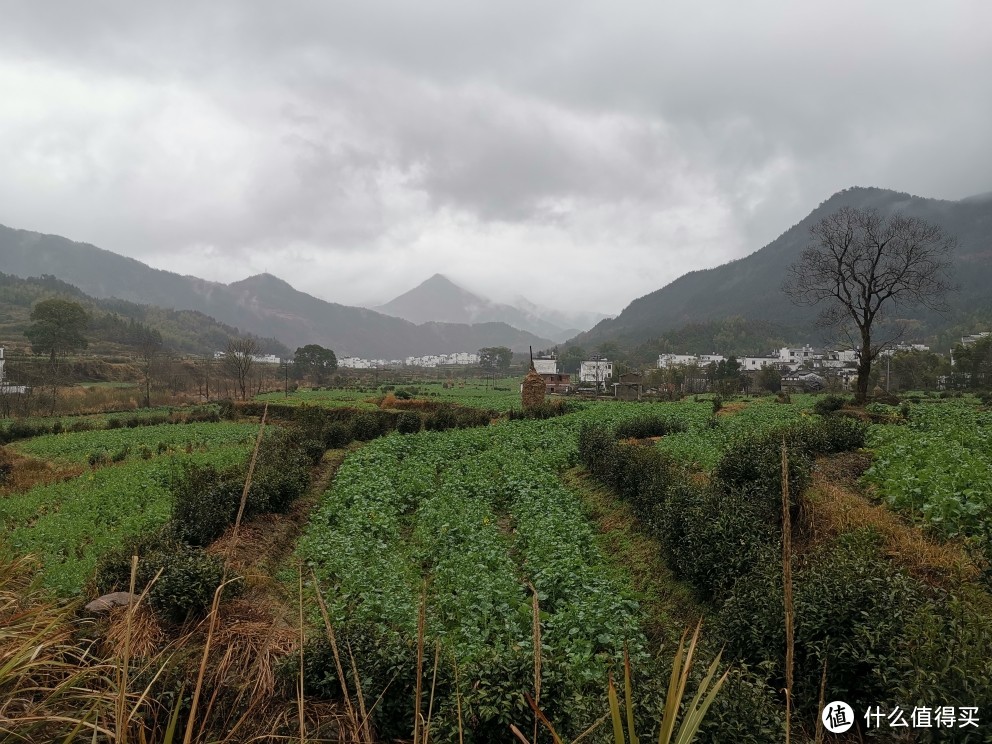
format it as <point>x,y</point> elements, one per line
<point>579,153</point>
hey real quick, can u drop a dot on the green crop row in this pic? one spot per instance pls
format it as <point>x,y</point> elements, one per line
<point>69,525</point>
<point>77,447</point>
<point>938,467</point>
<point>475,516</point>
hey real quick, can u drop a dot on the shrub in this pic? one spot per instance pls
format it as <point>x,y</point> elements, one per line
<point>717,403</point>
<point>311,420</point>
<point>441,420</point>
<point>648,426</point>
<point>368,425</point>
<point>146,452</point>
<point>205,502</point>
<point>547,409</point>
<point>753,464</point>
<point>184,589</point>
<point>6,466</point>
<point>227,410</point>
<point>81,425</point>
<point>97,458</point>
<point>121,454</point>
<point>115,423</point>
<point>409,422</point>
<point>336,435</point>
<point>851,606</point>
<point>829,404</point>
<point>713,538</point>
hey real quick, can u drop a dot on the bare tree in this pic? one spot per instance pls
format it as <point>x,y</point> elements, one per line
<point>238,360</point>
<point>149,347</point>
<point>862,265</point>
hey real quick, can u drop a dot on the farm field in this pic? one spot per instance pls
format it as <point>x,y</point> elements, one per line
<point>466,393</point>
<point>470,525</point>
<point>937,468</point>
<point>68,525</point>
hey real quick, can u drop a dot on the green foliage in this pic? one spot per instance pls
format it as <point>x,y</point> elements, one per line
<point>714,539</point>
<point>852,607</point>
<point>495,358</point>
<point>185,587</point>
<point>649,426</point>
<point>316,361</point>
<point>205,502</point>
<point>545,410</point>
<point>829,404</point>
<point>336,435</point>
<point>368,425</point>
<point>68,525</point>
<point>938,468</point>
<point>405,508</point>
<point>409,422</point>
<point>57,327</point>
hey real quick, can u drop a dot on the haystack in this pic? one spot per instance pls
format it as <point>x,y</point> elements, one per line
<point>533,391</point>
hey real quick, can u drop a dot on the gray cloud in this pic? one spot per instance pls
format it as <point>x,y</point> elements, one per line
<point>355,149</point>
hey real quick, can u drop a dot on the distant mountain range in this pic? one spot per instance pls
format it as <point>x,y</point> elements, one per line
<point>737,305</point>
<point>440,299</point>
<point>749,289</point>
<point>263,305</point>
<point>117,325</point>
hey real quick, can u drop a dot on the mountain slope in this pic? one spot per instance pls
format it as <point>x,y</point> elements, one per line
<point>263,305</point>
<point>750,287</point>
<point>439,299</point>
<point>117,323</point>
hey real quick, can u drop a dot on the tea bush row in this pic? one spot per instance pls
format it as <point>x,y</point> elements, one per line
<point>723,537</point>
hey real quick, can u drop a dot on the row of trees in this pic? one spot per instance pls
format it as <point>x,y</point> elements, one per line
<point>59,327</point>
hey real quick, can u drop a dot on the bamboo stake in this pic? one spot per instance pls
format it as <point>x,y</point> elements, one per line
<point>787,589</point>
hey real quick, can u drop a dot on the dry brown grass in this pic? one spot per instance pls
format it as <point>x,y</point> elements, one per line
<point>835,508</point>
<point>146,634</point>
<point>729,409</point>
<point>28,472</point>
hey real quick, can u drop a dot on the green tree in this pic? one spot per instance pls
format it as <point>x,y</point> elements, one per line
<point>495,358</point>
<point>770,379</point>
<point>316,361</point>
<point>57,328</point>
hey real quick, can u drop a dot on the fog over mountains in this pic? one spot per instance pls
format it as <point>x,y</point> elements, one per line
<point>263,304</point>
<point>440,299</point>
<point>438,316</point>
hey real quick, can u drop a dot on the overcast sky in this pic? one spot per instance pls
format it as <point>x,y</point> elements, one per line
<point>581,154</point>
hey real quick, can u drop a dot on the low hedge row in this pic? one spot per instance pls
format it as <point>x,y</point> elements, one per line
<point>21,429</point>
<point>852,606</point>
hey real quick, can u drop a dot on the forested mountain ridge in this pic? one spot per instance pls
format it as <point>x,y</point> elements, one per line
<point>750,287</point>
<point>263,305</point>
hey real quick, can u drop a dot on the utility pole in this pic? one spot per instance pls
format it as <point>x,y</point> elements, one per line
<point>285,363</point>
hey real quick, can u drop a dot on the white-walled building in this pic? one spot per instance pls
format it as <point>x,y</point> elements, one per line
<point>462,358</point>
<point>595,371</point>
<point>6,387</point>
<point>752,364</point>
<point>798,356</point>
<point>666,361</point>
<point>705,359</point>
<point>548,366</point>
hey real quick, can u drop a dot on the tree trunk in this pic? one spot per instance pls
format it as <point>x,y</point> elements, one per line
<point>864,370</point>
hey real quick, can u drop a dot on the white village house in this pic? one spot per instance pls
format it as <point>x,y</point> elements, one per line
<point>595,370</point>
<point>6,387</point>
